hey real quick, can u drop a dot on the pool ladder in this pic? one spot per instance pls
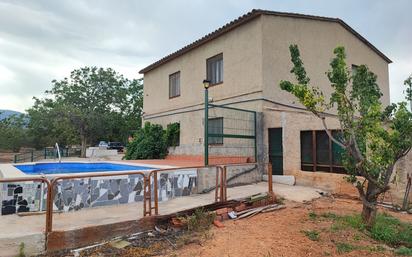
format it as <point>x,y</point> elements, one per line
<point>58,152</point>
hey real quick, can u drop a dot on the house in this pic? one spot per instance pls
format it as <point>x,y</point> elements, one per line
<point>245,60</point>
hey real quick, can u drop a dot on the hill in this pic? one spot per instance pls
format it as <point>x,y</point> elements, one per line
<point>6,113</point>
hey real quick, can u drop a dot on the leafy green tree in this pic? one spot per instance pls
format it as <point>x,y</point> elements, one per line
<point>13,133</point>
<point>92,104</point>
<point>149,143</point>
<point>373,137</point>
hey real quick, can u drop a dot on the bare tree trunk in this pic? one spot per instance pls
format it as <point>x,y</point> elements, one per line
<point>84,145</point>
<point>369,210</point>
<point>369,215</point>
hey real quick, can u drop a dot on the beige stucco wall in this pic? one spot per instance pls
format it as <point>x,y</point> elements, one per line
<point>242,54</point>
<point>256,57</point>
<point>316,41</point>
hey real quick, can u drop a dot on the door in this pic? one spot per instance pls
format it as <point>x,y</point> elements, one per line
<point>276,150</point>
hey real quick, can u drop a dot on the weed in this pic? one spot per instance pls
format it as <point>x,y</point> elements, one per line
<point>312,215</point>
<point>21,250</point>
<point>200,220</point>
<point>344,247</point>
<point>329,215</point>
<point>312,234</point>
<point>280,200</point>
<point>357,237</point>
<point>403,251</point>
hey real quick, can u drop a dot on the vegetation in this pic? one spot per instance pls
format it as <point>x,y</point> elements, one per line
<point>312,234</point>
<point>403,251</point>
<point>200,220</point>
<point>373,138</point>
<point>13,133</point>
<point>149,142</point>
<point>152,141</point>
<point>21,250</point>
<point>92,104</point>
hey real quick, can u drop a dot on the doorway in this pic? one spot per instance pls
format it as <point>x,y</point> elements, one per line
<point>276,150</point>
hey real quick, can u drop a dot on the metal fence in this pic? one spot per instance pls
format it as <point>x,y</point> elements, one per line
<point>231,135</point>
<point>46,153</point>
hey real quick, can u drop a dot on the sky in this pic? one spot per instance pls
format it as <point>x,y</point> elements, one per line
<point>45,40</point>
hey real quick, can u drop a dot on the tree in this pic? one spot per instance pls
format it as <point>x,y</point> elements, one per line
<point>374,138</point>
<point>93,104</point>
<point>13,133</point>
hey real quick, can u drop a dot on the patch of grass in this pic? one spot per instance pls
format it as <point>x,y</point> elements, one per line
<point>387,229</point>
<point>392,231</point>
<point>345,247</point>
<point>312,234</point>
<point>404,251</point>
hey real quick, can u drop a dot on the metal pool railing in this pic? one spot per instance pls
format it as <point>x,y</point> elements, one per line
<point>150,193</point>
<point>154,175</point>
<point>48,227</point>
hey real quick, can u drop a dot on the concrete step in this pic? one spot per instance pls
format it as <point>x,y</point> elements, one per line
<point>282,179</point>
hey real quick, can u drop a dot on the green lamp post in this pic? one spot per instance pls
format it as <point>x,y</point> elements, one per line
<point>206,84</point>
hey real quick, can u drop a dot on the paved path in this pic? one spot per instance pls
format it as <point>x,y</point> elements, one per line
<point>29,229</point>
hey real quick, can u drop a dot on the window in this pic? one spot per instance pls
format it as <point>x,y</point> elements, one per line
<point>319,152</point>
<point>214,69</point>
<point>174,84</point>
<point>215,126</point>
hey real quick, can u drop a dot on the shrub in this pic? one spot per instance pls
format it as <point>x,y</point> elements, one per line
<point>149,143</point>
<point>173,134</point>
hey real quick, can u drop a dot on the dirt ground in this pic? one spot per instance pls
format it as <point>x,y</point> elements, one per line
<point>6,157</point>
<point>280,233</point>
<point>275,234</point>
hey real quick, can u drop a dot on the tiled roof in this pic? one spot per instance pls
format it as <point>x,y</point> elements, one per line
<point>248,17</point>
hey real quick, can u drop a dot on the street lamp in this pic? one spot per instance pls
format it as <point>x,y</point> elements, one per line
<point>206,84</point>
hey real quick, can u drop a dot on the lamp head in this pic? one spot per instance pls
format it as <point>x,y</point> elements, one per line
<point>206,83</point>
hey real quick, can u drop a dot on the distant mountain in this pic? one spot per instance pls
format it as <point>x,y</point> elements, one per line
<point>6,113</point>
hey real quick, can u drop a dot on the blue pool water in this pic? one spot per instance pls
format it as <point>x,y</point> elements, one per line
<point>75,167</point>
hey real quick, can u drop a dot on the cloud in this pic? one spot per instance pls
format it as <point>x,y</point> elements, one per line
<point>44,40</point>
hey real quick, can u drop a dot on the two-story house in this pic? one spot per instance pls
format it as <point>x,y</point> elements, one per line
<point>245,60</point>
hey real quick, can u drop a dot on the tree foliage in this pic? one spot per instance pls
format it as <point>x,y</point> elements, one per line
<point>152,141</point>
<point>13,133</point>
<point>92,104</point>
<point>374,137</point>
<point>149,143</point>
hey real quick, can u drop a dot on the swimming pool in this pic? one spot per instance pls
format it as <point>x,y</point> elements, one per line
<point>75,167</point>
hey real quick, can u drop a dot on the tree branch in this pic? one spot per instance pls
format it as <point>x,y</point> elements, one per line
<point>330,134</point>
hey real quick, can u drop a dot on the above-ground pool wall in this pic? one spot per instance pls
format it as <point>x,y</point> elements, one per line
<point>20,197</point>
